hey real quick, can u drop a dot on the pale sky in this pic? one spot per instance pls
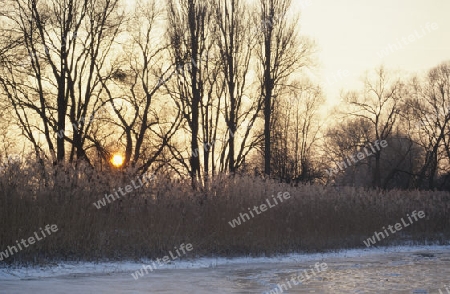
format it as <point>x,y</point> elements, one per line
<point>352,33</point>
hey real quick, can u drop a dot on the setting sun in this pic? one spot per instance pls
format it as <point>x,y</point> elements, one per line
<point>117,160</point>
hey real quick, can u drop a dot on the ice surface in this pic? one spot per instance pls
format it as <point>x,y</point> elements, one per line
<point>379,270</point>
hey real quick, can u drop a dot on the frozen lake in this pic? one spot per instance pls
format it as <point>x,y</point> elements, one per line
<point>393,270</point>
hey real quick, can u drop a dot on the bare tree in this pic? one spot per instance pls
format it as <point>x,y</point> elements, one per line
<point>306,127</point>
<point>188,34</point>
<point>429,108</point>
<point>236,46</point>
<point>134,91</point>
<point>67,44</point>
<point>379,103</point>
<point>280,53</point>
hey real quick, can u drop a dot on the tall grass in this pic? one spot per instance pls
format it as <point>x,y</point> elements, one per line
<point>152,220</point>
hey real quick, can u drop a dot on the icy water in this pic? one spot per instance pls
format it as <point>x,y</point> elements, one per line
<point>393,270</point>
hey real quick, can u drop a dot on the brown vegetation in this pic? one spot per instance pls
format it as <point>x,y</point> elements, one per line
<point>150,221</point>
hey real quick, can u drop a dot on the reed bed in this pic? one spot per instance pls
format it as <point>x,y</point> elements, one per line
<point>150,221</point>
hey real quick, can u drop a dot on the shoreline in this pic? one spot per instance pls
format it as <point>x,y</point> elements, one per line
<point>63,268</point>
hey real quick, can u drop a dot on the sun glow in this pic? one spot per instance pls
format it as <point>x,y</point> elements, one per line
<point>117,160</point>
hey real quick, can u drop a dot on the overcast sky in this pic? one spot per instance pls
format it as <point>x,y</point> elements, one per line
<point>352,33</point>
